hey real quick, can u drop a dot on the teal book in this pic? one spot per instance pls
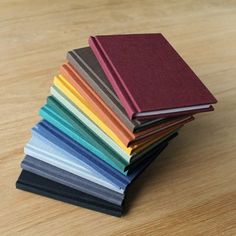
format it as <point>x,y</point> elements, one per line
<point>55,114</point>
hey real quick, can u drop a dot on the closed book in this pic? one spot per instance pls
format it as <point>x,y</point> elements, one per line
<point>37,184</point>
<point>150,78</point>
<point>64,177</point>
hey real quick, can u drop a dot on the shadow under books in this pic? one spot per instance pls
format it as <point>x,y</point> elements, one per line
<point>163,164</point>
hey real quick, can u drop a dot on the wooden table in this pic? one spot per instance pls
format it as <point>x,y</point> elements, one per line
<point>191,190</point>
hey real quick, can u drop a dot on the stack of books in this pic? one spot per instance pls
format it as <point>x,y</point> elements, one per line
<point>114,107</point>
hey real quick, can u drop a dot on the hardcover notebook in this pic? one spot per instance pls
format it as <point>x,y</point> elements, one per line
<point>66,178</point>
<point>36,184</point>
<point>149,76</point>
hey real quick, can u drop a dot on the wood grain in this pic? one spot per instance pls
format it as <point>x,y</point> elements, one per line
<point>192,189</point>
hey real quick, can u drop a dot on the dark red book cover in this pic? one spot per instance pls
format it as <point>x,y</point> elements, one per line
<point>148,75</point>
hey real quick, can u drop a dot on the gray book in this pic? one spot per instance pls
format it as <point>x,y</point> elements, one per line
<point>86,64</point>
<point>61,176</point>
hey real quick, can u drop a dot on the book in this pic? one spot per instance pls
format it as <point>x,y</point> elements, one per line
<point>150,78</point>
<point>66,178</point>
<point>37,184</point>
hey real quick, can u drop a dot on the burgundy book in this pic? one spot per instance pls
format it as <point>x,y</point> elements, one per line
<point>149,76</point>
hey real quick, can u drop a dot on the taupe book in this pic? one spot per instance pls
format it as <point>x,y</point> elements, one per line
<point>86,64</point>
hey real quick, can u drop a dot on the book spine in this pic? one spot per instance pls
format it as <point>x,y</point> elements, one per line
<point>130,107</point>
<point>103,91</point>
<point>107,114</point>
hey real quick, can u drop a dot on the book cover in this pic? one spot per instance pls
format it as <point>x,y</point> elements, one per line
<point>149,76</point>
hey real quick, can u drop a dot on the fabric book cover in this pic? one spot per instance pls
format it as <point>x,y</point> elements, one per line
<point>37,184</point>
<point>149,76</point>
<point>61,176</point>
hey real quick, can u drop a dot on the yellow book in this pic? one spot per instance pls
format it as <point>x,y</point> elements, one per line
<point>61,83</point>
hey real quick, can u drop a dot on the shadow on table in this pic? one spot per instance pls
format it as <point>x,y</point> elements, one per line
<point>170,159</point>
<point>158,168</point>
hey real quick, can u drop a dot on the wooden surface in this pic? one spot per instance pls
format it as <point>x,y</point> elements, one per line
<point>191,190</point>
